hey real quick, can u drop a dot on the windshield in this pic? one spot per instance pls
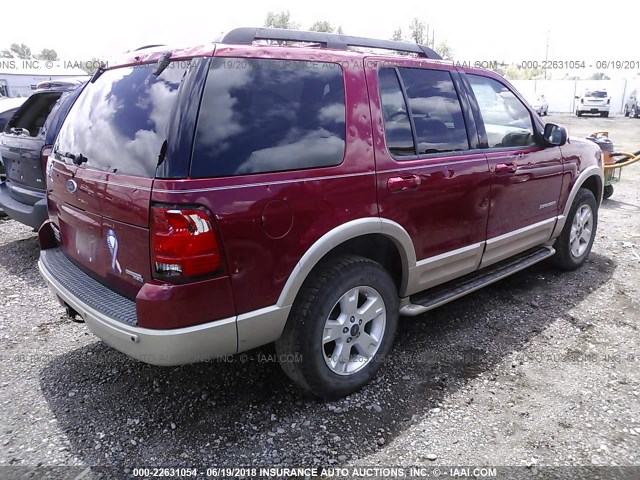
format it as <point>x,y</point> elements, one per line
<point>119,122</point>
<point>596,94</point>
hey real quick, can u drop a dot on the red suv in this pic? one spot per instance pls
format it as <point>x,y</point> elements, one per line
<point>210,200</point>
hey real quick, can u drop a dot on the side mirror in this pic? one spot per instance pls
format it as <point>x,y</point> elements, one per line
<point>576,97</point>
<point>554,135</point>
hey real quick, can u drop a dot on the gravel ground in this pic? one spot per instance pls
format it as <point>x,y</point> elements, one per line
<point>539,369</point>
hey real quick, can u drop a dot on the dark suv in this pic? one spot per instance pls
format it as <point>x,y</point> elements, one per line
<point>210,200</point>
<point>25,145</point>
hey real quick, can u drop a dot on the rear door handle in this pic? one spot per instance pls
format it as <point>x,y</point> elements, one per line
<point>402,184</point>
<point>502,168</point>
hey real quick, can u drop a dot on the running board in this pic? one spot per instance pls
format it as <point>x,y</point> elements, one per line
<point>434,297</point>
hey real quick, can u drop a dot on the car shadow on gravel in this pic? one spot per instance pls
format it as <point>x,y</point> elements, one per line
<point>25,249</point>
<point>116,411</point>
<point>612,204</point>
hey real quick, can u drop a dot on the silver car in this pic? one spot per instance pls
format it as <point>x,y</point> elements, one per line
<point>631,106</point>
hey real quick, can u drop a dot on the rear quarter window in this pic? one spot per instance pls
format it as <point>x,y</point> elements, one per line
<point>262,115</point>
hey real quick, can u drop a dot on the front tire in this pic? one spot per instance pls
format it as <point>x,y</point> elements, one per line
<point>578,113</point>
<point>604,114</point>
<point>626,111</point>
<point>574,243</point>
<point>341,327</point>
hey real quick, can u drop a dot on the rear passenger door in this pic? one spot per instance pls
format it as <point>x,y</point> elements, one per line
<point>428,178</point>
<point>526,176</point>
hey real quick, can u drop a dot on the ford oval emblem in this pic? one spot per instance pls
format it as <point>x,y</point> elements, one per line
<point>72,186</point>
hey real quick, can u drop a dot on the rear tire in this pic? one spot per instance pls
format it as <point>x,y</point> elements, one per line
<point>574,243</point>
<point>626,111</point>
<point>341,327</point>
<point>608,191</point>
<point>578,113</point>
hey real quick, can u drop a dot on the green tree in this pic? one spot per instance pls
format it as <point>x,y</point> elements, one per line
<point>91,66</point>
<point>17,51</point>
<point>280,20</point>
<point>397,35</point>
<point>513,72</point>
<point>418,31</point>
<point>445,51</point>
<point>321,26</point>
<point>47,54</point>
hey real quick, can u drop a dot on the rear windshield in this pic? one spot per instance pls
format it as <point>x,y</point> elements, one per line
<point>260,115</point>
<point>5,117</point>
<point>119,122</point>
<point>34,112</point>
<point>596,94</point>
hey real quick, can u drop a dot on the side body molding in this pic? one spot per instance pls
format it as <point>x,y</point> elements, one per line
<point>340,234</point>
<point>591,171</point>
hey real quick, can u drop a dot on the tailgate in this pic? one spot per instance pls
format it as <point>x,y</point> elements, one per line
<point>102,169</point>
<point>21,144</point>
<point>103,224</point>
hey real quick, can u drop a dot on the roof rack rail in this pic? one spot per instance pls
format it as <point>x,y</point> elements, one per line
<point>150,46</point>
<point>246,36</point>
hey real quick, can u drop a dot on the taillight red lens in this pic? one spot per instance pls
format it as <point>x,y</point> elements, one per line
<point>44,156</point>
<point>183,242</point>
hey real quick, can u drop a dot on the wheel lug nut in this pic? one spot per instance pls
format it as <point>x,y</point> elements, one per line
<point>360,322</point>
<point>349,340</point>
<point>345,330</point>
<point>353,319</point>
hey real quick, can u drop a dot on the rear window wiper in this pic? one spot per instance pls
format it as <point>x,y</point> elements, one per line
<point>77,159</point>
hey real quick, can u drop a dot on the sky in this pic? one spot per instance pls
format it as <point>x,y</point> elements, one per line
<point>484,30</point>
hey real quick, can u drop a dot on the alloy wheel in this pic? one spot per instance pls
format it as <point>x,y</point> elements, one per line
<point>354,330</point>
<point>581,231</point>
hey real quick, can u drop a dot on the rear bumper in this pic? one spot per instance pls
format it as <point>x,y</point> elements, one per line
<point>593,108</point>
<point>158,347</point>
<point>31,215</point>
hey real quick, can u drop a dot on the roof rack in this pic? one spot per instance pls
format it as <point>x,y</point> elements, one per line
<point>246,36</point>
<point>149,46</point>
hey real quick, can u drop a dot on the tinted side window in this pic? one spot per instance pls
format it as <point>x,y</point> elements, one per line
<point>59,113</point>
<point>397,127</point>
<point>269,115</point>
<point>507,121</point>
<point>436,111</point>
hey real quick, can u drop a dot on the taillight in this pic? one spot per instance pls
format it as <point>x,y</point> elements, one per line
<point>582,100</point>
<point>44,157</point>
<point>183,243</point>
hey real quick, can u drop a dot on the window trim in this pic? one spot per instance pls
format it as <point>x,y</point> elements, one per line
<point>412,124</point>
<point>416,155</point>
<point>482,131</point>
